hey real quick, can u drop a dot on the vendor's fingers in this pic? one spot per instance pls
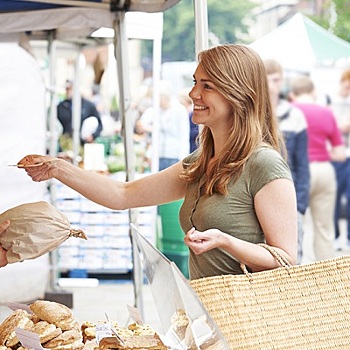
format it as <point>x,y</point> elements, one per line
<point>30,160</point>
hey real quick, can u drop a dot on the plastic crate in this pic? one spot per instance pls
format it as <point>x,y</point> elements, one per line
<point>170,245</point>
<point>169,217</point>
<point>180,259</point>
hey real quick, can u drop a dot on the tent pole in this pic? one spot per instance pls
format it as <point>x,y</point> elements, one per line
<point>76,106</point>
<point>157,64</point>
<point>53,142</point>
<point>121,55</point>
<point>53,96</point>
<point>201,25</point>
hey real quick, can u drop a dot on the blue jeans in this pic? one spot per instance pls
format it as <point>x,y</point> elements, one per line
<point>342,170</point>
<point>166,162</point>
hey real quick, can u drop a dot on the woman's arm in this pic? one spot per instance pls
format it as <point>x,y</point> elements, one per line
<point>276,209</point>
<point>158,188</point>
<point>338,153</point>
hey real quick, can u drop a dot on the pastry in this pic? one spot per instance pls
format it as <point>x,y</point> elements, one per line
<point>19,318</point>
<point>90,345</point>
<point>88,329</point>
<point>58,314</point>
<point>180,322</point>
<point>71,339</point>
<point>141,329</point>
<point>46,331</point>
<point>137,342</point>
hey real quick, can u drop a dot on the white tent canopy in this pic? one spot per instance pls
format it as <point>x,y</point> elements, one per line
<point>299,44</point>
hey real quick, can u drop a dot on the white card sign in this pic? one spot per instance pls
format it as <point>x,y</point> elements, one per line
<point>28,339</point>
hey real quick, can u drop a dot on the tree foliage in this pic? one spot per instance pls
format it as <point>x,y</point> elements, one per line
<point>335,17</point>
<point>225,25</point>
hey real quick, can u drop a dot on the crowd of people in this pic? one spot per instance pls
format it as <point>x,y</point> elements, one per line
<point>260,160</point>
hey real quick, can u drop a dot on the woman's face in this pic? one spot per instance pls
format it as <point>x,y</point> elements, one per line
<point>210,108</point>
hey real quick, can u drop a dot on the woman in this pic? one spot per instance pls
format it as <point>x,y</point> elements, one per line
<point>237,188</point>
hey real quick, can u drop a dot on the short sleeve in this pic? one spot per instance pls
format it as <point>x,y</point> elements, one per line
<point>265,166</point>
<point>187,161</point>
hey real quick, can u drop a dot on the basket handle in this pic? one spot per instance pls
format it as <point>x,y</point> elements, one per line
<point>284,262</point>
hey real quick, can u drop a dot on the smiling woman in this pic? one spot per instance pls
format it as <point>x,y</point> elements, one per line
<point>237,188</point>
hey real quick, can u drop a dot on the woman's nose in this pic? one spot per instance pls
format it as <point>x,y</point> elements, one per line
<point>194,93</point>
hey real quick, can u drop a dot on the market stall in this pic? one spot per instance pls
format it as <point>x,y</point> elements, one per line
<point>61,21</point>
<point>73,22</point>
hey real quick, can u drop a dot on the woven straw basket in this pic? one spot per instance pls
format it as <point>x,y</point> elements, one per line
<point>300,307</point>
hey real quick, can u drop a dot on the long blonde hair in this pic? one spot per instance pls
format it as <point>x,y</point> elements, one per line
<point>239,75</point>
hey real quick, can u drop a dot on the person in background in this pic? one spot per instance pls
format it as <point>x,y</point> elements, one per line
<point>324,145</point>
<point>3,226</point>
<point>173,124</point>
<point>237,188</point>
<point>340,104</point>
<point>293,125</point>
<point>90,124</point>
<point>185,99</point>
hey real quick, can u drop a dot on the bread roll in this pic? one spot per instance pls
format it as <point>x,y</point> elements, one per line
<point>19,318</point>
<point>58,314</point>
<point>71,339</point>
<point>46,331</point>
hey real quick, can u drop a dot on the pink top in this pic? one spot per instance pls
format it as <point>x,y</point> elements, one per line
<point>322,130</point>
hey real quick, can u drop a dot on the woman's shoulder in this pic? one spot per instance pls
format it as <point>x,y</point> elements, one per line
<point>190,158</point>
<point>265,165</point>
<point>264,154</point>
<point>268,160</point>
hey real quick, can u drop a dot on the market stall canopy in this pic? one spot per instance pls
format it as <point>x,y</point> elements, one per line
<point>112,5</point>
<point>300,44</point>
<point>70,20</point>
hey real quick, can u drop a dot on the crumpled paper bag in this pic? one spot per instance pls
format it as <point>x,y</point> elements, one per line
<point>35,229</point>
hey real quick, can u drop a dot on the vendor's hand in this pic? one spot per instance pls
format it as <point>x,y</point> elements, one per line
<point>39,168</point>
<point>3,260</point>
<point>201,242</point>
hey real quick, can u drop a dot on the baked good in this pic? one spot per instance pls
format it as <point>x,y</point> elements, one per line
<point>18,318</point>
<point>46,331</point>
<point>141,329</point>
<point>91,345</point>
<point>137,342</point>
<point>180,322</point>
<point>88,329</point>
<point>58,314</point>
<point>71,339</point>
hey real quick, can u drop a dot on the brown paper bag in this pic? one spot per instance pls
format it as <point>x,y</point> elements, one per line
<point>35,229</point>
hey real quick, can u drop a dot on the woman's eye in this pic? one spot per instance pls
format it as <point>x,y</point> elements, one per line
<point>206,86</point>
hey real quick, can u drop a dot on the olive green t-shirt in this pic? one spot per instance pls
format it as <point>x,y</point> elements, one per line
<point>233,213</point>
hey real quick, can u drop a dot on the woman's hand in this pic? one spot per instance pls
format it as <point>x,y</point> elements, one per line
<point>201,242</point>
<point>3,260</point>
<point>39,168</point>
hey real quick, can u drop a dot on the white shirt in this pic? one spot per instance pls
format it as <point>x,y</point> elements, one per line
<point>174,130</point>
